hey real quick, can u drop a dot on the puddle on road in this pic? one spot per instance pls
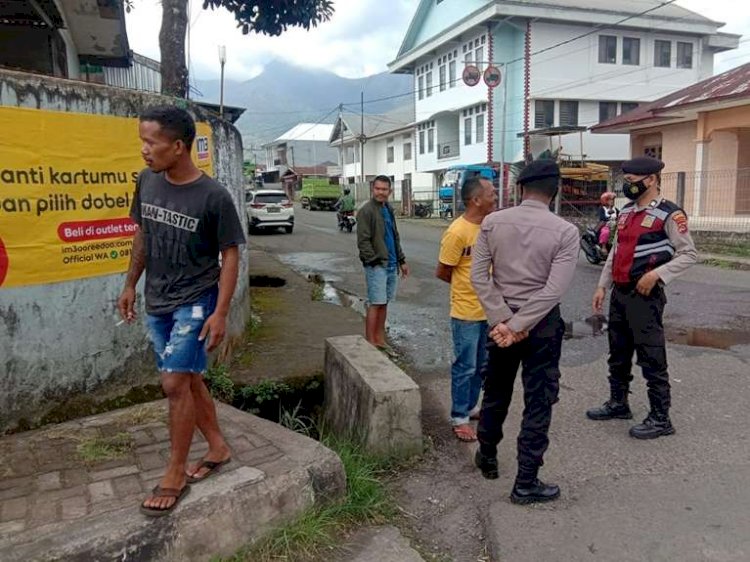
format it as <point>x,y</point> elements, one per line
<point>318,262</point>
<point>709,337</point>
<point>333,295</point>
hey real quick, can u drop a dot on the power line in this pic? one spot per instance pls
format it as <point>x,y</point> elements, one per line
<point>540,51</point>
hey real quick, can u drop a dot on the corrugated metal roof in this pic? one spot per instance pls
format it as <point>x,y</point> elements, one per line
<point>307,132</point>
<point>732,84</point>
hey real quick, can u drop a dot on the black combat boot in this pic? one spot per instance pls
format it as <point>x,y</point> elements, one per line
<point>655,425</point>
<point>615,408</point>
<point>534,492</point>
<point>488,465</point>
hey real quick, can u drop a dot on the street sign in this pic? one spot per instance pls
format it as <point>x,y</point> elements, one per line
<point>472,75</point>
<point>492,76</point>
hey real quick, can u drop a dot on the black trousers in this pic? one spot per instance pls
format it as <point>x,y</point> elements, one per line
<point>635,325</point>
<point>539,355</point>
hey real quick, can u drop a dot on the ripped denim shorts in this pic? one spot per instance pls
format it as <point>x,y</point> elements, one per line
<point>175,336</point>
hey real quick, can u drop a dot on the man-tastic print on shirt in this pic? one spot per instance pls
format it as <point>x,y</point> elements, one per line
<point>184,228</point>
<point>172,218</point>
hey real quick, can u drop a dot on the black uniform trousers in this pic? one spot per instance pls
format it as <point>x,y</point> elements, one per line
<point>635,325</point>
<point>539,354</point>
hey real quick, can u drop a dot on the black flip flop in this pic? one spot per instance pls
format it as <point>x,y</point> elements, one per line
<point>160,492</point>
<point>212,466</point>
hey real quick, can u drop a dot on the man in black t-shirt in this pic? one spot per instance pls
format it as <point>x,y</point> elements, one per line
<point>185,219</point>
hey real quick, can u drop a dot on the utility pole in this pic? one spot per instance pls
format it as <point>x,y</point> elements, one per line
<point>343,154</point>
<point>222,60</point>
<point>362,136</point>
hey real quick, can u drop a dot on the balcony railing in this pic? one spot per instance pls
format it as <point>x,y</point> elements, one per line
<point>450,149</point>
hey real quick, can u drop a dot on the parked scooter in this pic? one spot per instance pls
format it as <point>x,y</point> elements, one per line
<point>346,220</point>
<point>423,210</point>
<point>590,246</point>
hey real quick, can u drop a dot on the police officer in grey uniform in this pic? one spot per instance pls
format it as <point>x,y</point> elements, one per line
<point>524,261</point>
<point>653,247</point>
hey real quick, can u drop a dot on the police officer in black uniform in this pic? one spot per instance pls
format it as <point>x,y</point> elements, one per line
<point>523,262</point>
<point>653,247</point>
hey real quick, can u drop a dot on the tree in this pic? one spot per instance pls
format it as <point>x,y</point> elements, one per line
<point>270,17</point>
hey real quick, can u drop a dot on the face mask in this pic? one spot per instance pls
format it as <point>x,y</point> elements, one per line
<point>634,190</point>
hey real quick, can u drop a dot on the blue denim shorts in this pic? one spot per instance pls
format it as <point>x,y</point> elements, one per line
<point>382,283</point>
<point>175,336</point>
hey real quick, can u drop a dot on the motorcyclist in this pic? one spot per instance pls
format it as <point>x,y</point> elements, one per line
<point>345,205</point>
<point>607,220</point>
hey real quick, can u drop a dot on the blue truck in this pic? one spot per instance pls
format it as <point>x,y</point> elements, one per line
<point>453,180</point>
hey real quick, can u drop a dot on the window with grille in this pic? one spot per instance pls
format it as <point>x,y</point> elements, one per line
<point>421,142</point>
<point>607,49</point>
<point>407,150</point>
<point>467,130</point>
<point>544,114</point>
<point>480,128</point>
<point>684,55</point>
<point>568,113</point>
<point>479,56</point>
<point>429,84</point>
<point>631,51</point>
<point>421,87</point>
<point>452,74</point>
<point>607,110</point>
<point>627,106</point>
<point>442,77</point>
<point>431,140</point>
<point>662,53</point>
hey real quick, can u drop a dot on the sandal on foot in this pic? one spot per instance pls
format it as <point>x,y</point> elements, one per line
<point>212,466</point>
<point>159,492</point>
<point>465,433</point>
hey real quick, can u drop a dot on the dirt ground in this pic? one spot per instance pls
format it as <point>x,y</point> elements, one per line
<point>439,497</point>
<point>289,330</point>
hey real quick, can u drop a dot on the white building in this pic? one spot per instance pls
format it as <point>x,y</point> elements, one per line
<point>388,148</point>
<point>588,60</point>
<point>304,145</point>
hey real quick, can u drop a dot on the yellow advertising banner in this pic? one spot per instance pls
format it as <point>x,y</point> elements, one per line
<point>66,187</point>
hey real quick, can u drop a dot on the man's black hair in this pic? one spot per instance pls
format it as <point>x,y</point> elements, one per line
<point>384,179</point>
<point>545,186</point>
<point>176,123</point>
<point>471,188</point>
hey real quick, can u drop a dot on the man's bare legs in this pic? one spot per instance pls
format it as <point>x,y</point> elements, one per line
<point>205,419</point>
<point>375,324</point>
<point>177,388</point>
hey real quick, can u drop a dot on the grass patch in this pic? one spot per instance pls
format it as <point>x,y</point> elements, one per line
<point>97,449</point>
<point>317,292</point>
<point>726,264</point>
<point>219,384</point>
<point>318,529</point>
<point>728,250</point>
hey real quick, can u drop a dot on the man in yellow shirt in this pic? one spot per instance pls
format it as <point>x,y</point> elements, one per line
<point>468,321</point>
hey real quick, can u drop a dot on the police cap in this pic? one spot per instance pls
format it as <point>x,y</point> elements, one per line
<point>539,169</point>
<point>643,166</point>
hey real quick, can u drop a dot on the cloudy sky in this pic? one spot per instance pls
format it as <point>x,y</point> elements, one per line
<point>362,37</point>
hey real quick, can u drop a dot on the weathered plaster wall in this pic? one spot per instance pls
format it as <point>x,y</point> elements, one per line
<point>60,340</point>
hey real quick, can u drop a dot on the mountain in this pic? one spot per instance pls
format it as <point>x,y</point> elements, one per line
<point>284,95</point>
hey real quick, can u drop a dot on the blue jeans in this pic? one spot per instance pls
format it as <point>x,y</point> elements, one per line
<point>175,336</point>
<point>382,283</point>
<point>470,359</point>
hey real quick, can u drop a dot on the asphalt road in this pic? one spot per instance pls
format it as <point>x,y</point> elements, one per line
<point>683,497</point>
<point>706,297</point>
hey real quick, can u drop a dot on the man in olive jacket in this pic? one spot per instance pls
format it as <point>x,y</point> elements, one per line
<point>381,254</point>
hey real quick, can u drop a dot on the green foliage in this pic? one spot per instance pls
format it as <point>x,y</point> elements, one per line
<point>367,502</point>
<point>264,391</point>
<point>273,17</point>
<point>99,449</point>
<point>296,421</point>
<point>219,384</point>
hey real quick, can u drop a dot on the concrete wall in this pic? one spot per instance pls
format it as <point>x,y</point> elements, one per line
<point>60,340</point>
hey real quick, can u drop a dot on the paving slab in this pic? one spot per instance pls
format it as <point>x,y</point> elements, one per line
<point>379,544</point>
<point>55,505</point>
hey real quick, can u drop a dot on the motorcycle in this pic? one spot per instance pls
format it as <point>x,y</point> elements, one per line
<point>590,246</point>
<point>346,220</point>
<point>423,210</point>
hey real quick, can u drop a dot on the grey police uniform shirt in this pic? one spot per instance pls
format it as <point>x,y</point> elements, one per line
<point>685,254</point>
<point>525,257</point>
<point>184,228</point>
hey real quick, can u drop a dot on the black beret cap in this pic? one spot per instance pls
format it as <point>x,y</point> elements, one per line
<point>643,166</point>
<point>539,169</point>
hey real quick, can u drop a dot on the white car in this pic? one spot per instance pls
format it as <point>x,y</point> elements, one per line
<point>269,208</point>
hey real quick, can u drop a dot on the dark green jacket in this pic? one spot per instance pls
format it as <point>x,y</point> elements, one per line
<point>371,235</point>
